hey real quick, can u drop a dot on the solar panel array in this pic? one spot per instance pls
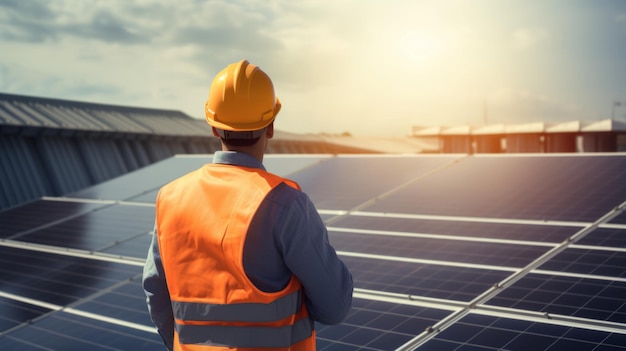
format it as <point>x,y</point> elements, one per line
<point>448,252</point>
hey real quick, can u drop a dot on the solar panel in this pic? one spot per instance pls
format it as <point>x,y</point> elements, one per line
<point>526,187</point>
<point>58,279</point>
<point>478,332</point>
<point>447,252</point>
<point>342,183</point>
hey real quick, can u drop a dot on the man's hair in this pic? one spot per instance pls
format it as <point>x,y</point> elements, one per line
<point>239,142</point>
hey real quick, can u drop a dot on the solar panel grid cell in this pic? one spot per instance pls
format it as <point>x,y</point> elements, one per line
<point>58,279</point>
<point>578,297</point>
<point>479,229</point>
<point>126,303</point>
<point>506,255</point>
<point>14,313</point>
<point>97,229</point>
<point>611,237</point>
<point>442,282</point>
<point>38,213</point>
<point>476,332</point>
<point>587,261</point>
<point>136,247</point>
<point>619,219</point>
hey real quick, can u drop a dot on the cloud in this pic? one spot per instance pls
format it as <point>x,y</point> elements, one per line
<point>526,38</point>
<point>42,21</point>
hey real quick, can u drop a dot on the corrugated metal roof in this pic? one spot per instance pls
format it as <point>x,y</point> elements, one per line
<point>19,111</point>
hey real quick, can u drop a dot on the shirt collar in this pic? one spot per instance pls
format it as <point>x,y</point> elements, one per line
<point>237,159</point>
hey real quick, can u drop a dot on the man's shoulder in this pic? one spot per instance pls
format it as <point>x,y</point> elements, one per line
<point>285,194</point>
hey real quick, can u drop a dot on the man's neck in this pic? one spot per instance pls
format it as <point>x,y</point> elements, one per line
<point>254,151</point>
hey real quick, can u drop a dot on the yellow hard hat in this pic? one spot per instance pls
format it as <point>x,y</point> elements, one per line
<point>241,99</point>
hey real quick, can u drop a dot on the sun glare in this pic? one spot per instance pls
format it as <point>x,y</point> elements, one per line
<point>419,46</point>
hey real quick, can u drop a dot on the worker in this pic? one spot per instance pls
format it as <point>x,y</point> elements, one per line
<point>240,258</point>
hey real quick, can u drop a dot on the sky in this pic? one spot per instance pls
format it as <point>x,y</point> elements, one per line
<point>366,67</point>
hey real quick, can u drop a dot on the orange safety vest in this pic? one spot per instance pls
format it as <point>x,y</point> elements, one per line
<point>202,223</point>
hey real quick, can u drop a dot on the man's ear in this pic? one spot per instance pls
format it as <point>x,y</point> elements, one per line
<point>215,132</point>
<point>269,131</point>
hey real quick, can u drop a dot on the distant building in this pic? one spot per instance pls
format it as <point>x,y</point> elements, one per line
<point>540,137</point>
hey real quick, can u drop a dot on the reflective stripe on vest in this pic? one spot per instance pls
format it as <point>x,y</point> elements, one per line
<point>239,312</point>
<point>248,336</point>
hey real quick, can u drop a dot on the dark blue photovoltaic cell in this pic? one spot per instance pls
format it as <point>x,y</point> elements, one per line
<point>605,237</point>
<point>475,332</point>
<point>35,214</point>
<point>554,188</point>
<point>506,255</point>
<point>619,219</point>
<point>584,261</point>
<point>58,279</point>
<point>148,197</point>
<point>98,229</point>
<point>578,297</point>
<point>341,183</point>
<point>286,165</point>
<point>143,180</point>
<point>64,331</point>
<point>442,282</point>
<point>136,247</point>
<point>374,325</point>
<point>126,302</point>
<point>526,232</point>
<point>13,313</point>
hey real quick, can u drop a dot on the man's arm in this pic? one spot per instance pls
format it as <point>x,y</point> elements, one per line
<point>157,294</point>
<point>307,252</point>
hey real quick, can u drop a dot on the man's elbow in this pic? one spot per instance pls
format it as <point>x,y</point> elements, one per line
<point>336,313</point>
